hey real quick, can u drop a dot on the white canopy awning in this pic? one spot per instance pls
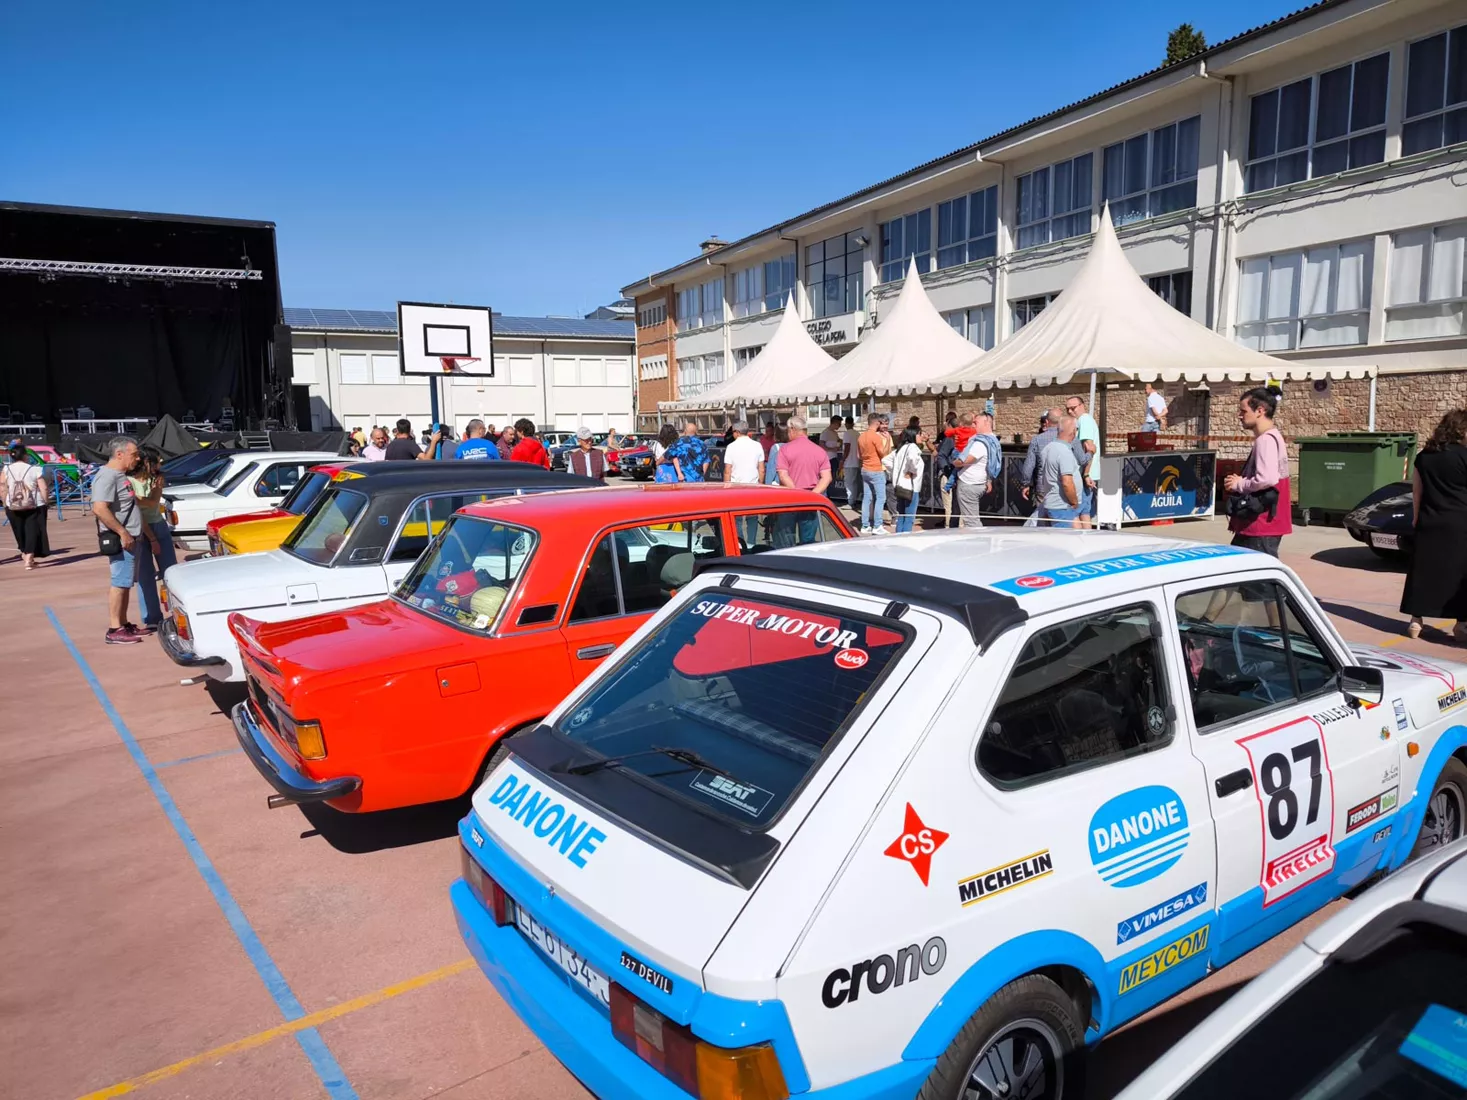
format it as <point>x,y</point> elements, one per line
<point>789,358</point>
<point>1109,321</point>
<point>911,347</point>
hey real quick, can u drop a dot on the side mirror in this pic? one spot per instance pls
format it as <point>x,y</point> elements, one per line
<point>1363,685</point>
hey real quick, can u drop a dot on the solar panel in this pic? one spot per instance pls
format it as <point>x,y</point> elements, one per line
<point>382,320</point>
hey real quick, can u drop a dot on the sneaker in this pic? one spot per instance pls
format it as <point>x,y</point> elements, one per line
<point>122,636</point>
<point>139,631</point>
<point>867,531</point>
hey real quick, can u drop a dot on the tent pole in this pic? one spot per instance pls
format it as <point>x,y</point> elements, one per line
<point>1091,403</point>
<point>1371,425</point>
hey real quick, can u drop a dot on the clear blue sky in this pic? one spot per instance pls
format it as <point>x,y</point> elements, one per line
<point>534,157</point>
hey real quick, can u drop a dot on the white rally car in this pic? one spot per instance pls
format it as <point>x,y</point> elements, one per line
<point>925,816</point>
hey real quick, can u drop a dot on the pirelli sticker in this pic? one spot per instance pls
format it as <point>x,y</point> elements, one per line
<point>985,884</point>
<point>1451,700</point>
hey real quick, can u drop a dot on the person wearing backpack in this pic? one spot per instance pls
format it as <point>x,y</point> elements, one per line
<point>23,490</point>
<point>979,457</point>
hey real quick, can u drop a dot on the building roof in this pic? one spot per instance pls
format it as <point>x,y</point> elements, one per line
<point>1002,135</point>
<point>385,321</point>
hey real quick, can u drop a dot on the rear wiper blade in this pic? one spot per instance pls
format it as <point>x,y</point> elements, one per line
<point>682,756</point>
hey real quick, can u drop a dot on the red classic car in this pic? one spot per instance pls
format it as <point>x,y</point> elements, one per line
<point>515,602</point>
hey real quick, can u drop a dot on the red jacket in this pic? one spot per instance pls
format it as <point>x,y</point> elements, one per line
<point>530,450</point>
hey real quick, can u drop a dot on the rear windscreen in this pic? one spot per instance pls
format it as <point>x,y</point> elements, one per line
<point>326,527</point>
<point>758,689</point>
<point>299,500</point>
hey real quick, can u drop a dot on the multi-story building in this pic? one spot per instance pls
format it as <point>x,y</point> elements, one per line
<point>560,372</point>
<point>1298,188</point>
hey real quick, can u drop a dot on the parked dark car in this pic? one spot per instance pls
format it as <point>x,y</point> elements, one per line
<point>195,467</point>
<point>1382,521</point>
<point>637,462</point>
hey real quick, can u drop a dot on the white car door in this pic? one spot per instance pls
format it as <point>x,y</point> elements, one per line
<point>1086,745</point>
<point>1287,756</point>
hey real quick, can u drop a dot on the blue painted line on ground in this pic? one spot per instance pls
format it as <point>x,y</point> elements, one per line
<point>201,756</point>
<point>316,1051</point>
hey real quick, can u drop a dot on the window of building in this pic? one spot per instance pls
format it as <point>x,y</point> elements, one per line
<point>563,372</point>
<point>655,367</point>
<point>779,281</point>
<point>700,306</point>
<point>1152,174</point>
<point>521,370</point>
<point>696,373</point>
<point>1288,141</point>
<point>639,568</point>
<point>303,367</point>
<point>385,369</point>
<point>967,228</point>
<point>1085,693</point>
<point>712,369</point>
<point>1239,660</point>
<point>1427,295</point>
<point>1174,289</point>
<point>1436,92</point>
<point>1318,298</point>
<point>744,356</point>
<point>354,369</point>
<point>654,314</point>
<point>1026,309</point>
<point>746,292</point>
<point>1054,203</point>
<point>903,239</point>
<point>974,325</point>
<point>833,276</point>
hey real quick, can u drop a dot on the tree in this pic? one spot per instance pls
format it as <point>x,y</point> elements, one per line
<point>1183,42</point>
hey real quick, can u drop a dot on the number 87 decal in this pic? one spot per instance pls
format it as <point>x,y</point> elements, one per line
<point>1296,805</point>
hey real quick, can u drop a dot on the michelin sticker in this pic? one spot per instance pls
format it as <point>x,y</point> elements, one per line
<point>1161,913</point>
<point>1451,700</point>
<point>1138,835</point>
<point>1107,567</point>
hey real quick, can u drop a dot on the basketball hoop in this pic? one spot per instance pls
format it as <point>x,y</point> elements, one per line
<point>455,364</point>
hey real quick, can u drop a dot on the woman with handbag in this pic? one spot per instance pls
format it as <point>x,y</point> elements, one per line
<point>23,489</point>
<point>1436,585</point>
<point>907,470</point>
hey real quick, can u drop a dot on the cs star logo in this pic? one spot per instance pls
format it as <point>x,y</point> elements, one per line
<point>916,844</point>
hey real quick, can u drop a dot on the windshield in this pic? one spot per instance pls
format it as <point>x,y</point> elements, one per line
<point>217,479</point>
<point>321,534</point>
<point>467,573</point>
<point>758,689</point>
<point>299,500</point>
<point>1384,1026</point>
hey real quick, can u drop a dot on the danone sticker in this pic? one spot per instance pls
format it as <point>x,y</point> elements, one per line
<point>1164,958</point>
<point>1106,567</point>
<point>1138,835</point>
<point>550,820</point>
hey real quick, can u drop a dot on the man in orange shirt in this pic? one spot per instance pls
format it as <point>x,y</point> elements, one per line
<point>873,446</point>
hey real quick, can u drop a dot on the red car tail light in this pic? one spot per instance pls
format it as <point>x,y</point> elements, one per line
<point>490,894</point>
<point>706,1071</point>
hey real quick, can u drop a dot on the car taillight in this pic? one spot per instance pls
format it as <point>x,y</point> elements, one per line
<point>707,1072</point>
<point>172,518</point>
<point>490,894</point>
<point>180,620</point>
<point>310,742</point>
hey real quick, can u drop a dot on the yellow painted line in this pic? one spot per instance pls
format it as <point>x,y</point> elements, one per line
<point>260,1038</point>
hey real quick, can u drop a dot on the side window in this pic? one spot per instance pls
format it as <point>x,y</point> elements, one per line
<point>1084,693</point>
<point>1247,648</point>
<point>639,568</point>
<point>278,480</point>
<point>426,519</point>
<point>761,531</point>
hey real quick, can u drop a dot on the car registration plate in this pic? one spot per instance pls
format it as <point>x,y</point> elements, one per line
<point>578,969</point>
<point>1385,542</point>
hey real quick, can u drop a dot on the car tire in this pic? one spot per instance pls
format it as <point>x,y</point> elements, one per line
<point>1027,1040</point>
<point>1445,810</point>
<point>497,752</point>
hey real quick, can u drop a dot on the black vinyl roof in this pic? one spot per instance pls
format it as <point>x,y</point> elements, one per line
<point>426,476</point>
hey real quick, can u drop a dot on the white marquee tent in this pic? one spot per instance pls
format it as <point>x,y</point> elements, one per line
<point>789,358</point>
<point>911,347</point>
<point>1108,321</point>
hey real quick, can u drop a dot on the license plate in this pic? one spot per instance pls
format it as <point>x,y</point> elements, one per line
<point>1385,542</point>
<point>576,967</point>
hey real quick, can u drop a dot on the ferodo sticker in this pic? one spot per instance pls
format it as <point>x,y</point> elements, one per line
<point>1163,959</point>
<point>1359,816</point>
<point>1138,835</point>
<point>1295,789</point>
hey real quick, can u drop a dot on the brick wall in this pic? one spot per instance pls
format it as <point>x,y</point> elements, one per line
<point>652,341</point>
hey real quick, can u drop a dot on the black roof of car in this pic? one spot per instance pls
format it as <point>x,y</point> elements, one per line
<point>426,476</point>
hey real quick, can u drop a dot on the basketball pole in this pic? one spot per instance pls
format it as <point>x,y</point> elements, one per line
<point>433,402</point>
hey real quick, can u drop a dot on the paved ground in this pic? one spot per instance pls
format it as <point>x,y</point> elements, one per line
<point>162,933</point>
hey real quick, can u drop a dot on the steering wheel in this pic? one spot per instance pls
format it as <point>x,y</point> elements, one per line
<point>1252,668</point>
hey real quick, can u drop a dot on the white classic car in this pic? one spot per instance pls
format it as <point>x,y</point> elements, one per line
<point>924,816</point>
<point>251,481</point>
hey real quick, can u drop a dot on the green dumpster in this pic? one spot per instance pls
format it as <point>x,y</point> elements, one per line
<point>1340,469</point>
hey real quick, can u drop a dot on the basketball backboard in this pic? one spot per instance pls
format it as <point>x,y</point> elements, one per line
<point>439,339</point>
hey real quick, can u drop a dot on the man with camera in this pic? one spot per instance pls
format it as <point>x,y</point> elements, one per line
<point>1258,504</point>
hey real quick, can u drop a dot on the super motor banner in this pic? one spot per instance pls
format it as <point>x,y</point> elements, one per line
<point>1170,485</point>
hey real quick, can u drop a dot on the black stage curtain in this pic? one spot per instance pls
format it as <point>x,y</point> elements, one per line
<point>309,441</point>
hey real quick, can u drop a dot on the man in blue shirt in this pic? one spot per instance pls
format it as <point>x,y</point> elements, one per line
<point>691,454</point>
<point>475,447</point>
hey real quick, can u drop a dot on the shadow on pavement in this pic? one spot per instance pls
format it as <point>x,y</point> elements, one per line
<point>225,696</point>
<point>1359,557</point>
<point>1386,624</point>
<point>1119,1060</point>
<point>358,834</point>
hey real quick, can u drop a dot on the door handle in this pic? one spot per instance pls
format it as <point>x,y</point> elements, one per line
<point>1233,782</point>
<point>595,652</point>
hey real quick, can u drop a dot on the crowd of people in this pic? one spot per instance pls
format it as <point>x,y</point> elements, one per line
<point>518,442</point>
